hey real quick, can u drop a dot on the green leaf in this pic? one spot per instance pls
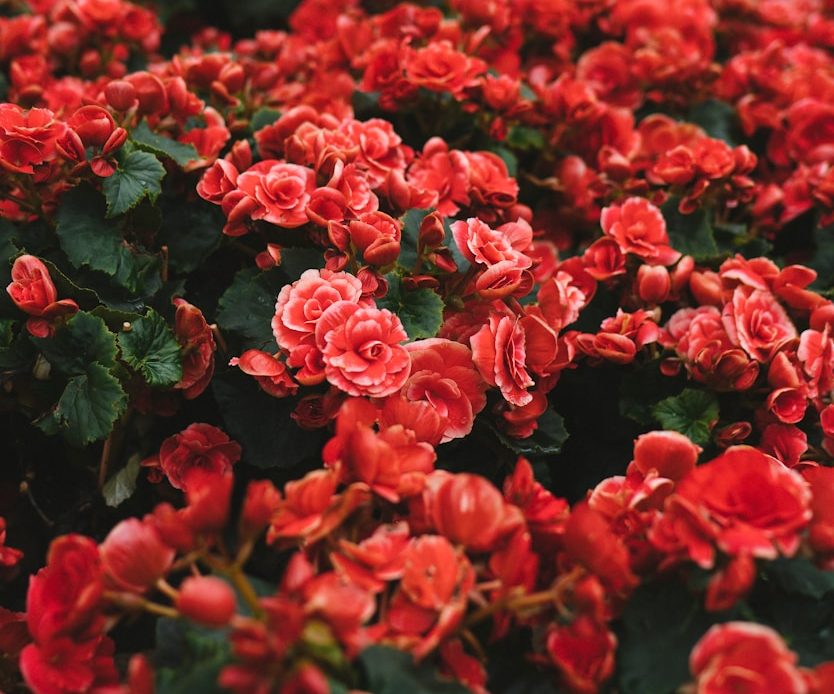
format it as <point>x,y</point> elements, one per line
<point>120,487</point>
<point>692,413</point>
<point>823,258</point>
<point>247,307</point>
<point>659,626</point>
<point>410,236</point>
<point>798,576</point>
<point>90,405</point>
<point>522,137</point>
<point>717,118</point>
<point>420,311</point>
<point>84,340</point>
<point>642,387</point>
<point>390,671</point>
<point>151,349</point>
<point>690,234</point>
<point>147,140</point>
<point>139,176</point>
<point>263,117</point>
<point>16,349</point>
<point>191,232</point>
<point>189,658</point>
<point>90,240</point>
<point>547,439</point>
<point>262,424</point>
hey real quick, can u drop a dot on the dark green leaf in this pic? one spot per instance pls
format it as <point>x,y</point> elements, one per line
<point>90,240</point>
<point>524,138</point>
<point>690,234</point>
<point>658,628</point>
<point>247,308</point>
<point>263,117</point>
<point>718,118</point>
<point>16,349</point>
<point>139,176</point>
<point>547,439</point>
<point>120,487</point>
<point>410,237</point>
<point>90,405</point>
<point>191,232</point>
<point>642,387</point>
<point>147,140</point>
<point>189,658</point>
<point>420,311</point>
<point>692,413</point>
<point>799,576</point>
<point>67,289</point>
<point>83,340</point>
<point>261,423</point>
<point>150,348</point>
<point>390,671</point>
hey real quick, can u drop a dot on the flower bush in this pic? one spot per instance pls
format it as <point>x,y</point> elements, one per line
<point>457,346</point>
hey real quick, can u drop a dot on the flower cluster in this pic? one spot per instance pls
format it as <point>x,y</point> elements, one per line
<point>402,347</point>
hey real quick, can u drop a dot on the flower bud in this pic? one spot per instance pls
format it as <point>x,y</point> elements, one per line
<point>653,284</point>
<point>207,600</point>
<point>432,232</point>
<point>134,557</point>
<point>121,95</point>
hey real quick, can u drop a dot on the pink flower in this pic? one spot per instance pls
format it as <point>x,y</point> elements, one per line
<point>301,304</point>
<point>283,191</point>
<point>756,321</point>
<point>498,350</point>
<point>480,244</point>
<point>443,374</point>
<point>361,350</point>
<point>638,228</point>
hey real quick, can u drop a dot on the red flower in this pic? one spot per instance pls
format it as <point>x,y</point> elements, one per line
<point>361,349</point>
<point>64,597</point>
<point>377,236</point>
<point>198,447</point>
<point>27,138</point>
<point>392,462</point>
<point>65,667</point>
<point>443,374</point>
<point>744,657</point>
<point>756,321</point>
<point>282,191</point>
<point>590,541</point>
<point>33,292</point>
<point>430,572</point>
<point>583,653</point>
<point>638,228</point>
<point>440,68</point>
<point>270,373</point>
<point>197,340</point>
<point>747,501</point>
<point>8,555</point>
<point>468,509</point>
<point>498,350</point>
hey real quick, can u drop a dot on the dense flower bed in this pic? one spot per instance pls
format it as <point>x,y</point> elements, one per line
<point>475,346</point>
